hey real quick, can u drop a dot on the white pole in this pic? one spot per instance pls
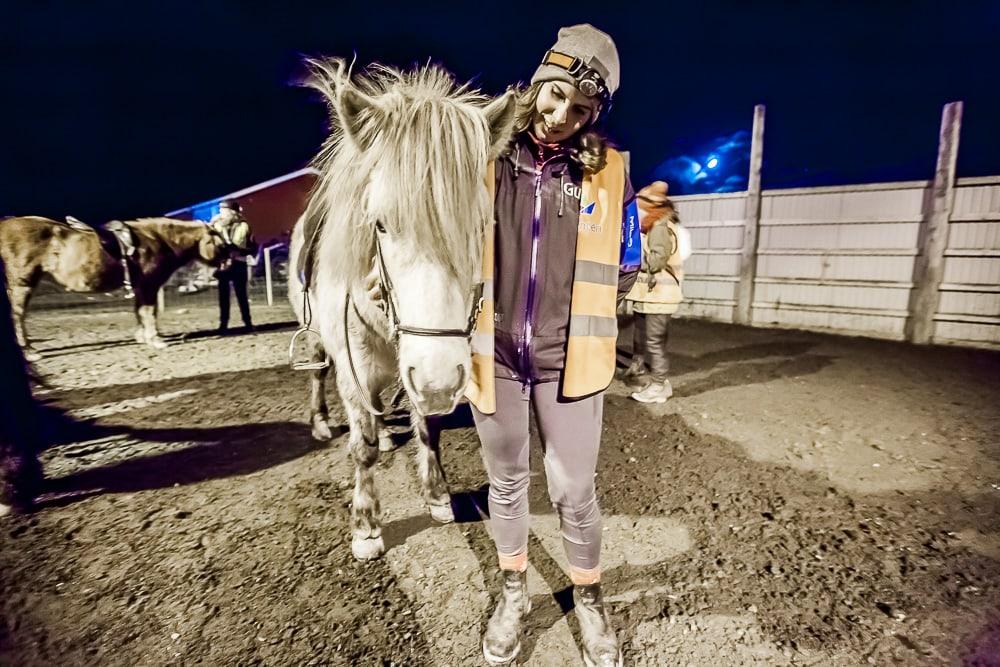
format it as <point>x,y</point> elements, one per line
<point>743,313</point>
<point>928,267</point>
<point>267,276</point>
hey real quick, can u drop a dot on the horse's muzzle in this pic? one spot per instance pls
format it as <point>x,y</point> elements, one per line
<point>436,400</point>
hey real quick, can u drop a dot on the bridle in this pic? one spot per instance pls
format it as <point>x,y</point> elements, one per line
<point>395,327</point>
<point>388,306</point>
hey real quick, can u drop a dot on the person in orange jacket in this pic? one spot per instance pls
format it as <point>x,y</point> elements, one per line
<point>657,292</point>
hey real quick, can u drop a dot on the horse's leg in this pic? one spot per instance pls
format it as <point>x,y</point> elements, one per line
<point>366,523</point>
<point>20,477</point>
<point>385,443</point>
<point>319,414</point>
<point>432,481</point>
<point>145,312</point>
<point>19,297</point>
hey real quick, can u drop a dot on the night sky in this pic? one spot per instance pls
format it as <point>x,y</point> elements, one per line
<point>118,110</point>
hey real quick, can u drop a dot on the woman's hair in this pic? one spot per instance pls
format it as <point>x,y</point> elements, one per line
<point>589,149</point>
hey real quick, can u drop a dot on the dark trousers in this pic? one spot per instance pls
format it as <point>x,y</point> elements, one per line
<point>650,343</point>
<point>235,275</point>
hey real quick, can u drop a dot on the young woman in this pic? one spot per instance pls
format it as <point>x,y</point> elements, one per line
<point>565,251</point>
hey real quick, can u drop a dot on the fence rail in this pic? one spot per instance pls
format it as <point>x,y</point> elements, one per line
<point>912,260</point>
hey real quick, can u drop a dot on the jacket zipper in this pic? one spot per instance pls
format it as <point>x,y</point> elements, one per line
<point>524,348</point>
<point>529,307</point>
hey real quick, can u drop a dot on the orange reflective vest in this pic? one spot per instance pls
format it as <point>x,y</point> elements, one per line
<point>593,326</point>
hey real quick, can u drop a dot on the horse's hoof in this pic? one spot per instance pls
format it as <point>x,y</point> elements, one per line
<point>385,443</point>
<point>367,548</point>
<point>32,356</point>
<point>442,513</point>
<point>321,430</point>
<point>5,509</point>
<point>157,343</point>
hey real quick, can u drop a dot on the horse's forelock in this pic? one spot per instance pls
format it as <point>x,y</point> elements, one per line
<point>431,148</point>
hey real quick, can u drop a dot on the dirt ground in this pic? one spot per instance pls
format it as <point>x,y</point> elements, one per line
<point>802,500</point>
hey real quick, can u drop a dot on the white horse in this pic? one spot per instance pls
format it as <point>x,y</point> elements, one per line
<point>401,189</point>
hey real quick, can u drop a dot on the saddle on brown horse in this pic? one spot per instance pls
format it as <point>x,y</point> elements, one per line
<point>115,236</point>
<point>117,239</point>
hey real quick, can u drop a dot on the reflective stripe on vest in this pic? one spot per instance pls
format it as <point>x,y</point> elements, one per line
<point>593,326</point>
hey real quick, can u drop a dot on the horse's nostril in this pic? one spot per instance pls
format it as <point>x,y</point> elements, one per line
<point>409,376</point>
<point>462,376</point>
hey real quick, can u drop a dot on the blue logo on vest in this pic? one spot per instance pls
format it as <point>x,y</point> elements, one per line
<point>588,209</point>
<point>631,248</point>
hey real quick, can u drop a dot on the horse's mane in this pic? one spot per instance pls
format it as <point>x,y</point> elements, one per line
<point>167,223</point>
<point>181,235</point>
<point>429,137</point>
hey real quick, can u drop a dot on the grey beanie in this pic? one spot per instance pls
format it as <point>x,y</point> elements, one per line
<point>594,48</point>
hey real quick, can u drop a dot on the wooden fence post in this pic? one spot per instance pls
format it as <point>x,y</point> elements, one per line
<point>748,259</point>
<point>928,266</point>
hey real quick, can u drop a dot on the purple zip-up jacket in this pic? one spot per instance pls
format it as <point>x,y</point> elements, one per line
<point>537,209</point>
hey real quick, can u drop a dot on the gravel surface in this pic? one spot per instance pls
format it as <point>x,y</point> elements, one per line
<point>803,499</point>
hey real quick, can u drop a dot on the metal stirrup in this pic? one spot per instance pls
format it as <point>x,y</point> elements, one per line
<point>305,330</point>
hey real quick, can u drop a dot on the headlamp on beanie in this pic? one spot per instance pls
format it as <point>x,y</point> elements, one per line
<point>589,79</point>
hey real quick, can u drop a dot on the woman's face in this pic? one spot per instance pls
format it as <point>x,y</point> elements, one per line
<point>560,111</point>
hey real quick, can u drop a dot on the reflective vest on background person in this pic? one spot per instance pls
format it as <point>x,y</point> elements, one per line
<point>235,230</point>
<point>665,246</point>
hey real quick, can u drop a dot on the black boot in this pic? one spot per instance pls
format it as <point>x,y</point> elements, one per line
<point>600,645</point>
<point>502,640</point>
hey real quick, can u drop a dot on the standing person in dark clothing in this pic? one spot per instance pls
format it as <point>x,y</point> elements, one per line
<point>234,228</point>
<point>20,433</point>
<point>566,250</point>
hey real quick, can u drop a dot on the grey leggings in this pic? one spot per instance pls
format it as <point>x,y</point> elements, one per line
<point>570,432</point>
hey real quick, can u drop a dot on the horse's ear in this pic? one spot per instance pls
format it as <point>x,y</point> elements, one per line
<point>359,115</point>
<point>500,120</point>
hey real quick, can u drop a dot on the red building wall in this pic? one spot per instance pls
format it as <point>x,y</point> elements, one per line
<point>272,212</point>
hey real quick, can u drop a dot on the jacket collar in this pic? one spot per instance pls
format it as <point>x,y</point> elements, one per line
<point>526,154</point>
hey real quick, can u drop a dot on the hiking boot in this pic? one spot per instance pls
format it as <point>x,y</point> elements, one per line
<point>502,640</point>
<point>600,645</point>
<point>656,392</point>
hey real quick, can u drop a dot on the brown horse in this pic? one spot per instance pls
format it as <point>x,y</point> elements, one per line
<point>89,260</point>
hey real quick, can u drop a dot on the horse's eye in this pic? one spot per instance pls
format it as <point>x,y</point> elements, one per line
<point>379,227</point>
